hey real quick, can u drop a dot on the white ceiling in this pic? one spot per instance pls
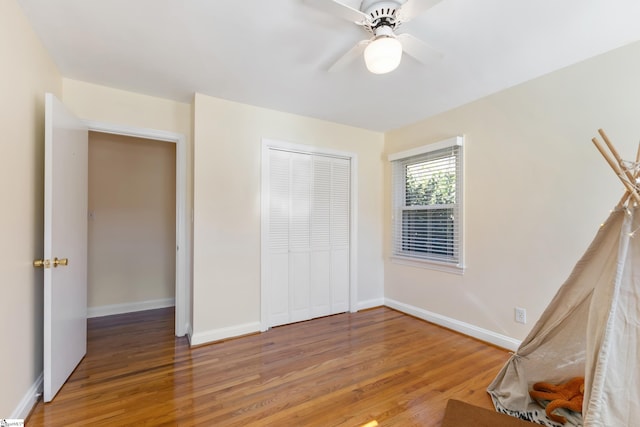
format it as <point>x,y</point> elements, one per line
<point>275,53</point>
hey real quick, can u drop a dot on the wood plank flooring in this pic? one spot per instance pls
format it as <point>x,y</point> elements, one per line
<point>376,366</point>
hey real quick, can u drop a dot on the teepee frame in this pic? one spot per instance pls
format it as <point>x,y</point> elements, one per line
<point>628,178</point>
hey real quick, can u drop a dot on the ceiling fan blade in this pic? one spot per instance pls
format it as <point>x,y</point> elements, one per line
<point>340,9</point>
<point>413,8</point>
<point>350,56</point>
<point>418,49</point>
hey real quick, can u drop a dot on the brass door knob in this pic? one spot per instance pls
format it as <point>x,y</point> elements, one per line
<point>42,263</point>
<point>61,261</point>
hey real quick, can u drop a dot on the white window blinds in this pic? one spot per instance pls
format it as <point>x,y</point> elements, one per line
<point>427,203</point>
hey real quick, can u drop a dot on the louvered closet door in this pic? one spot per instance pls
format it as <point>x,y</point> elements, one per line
<point>299,247</point>
<point>278,244</point>
<point>340,235</point>
<point>308,259</point>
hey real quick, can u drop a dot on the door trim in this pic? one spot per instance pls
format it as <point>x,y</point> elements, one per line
<point>270,144</point>
<point>183,255</point>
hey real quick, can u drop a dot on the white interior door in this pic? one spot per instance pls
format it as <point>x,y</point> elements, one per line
<point>278,238</point>
<point>299,227</point>
<point>307,252</point>
<point>65,238</point>
<point>340,202</point>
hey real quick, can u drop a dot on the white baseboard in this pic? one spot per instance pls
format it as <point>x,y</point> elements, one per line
<point>364,305</point>
<point>456,325</point>
<point>199,338</point>
<point>29,400</point>
<point>108,310</point>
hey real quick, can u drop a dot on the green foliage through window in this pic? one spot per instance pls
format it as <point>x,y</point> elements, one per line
<point>423,189</point>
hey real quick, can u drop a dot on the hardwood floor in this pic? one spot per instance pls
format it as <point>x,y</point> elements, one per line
<point>344,370</point>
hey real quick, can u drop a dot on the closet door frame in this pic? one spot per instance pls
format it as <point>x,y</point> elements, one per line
<point>270,144</point>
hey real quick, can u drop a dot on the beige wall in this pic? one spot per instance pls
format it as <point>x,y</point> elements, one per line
<point>227,141</point>
<point>536,189</point>
<point>132,222</point>
<point>27,73</point>
<point>104,104</point>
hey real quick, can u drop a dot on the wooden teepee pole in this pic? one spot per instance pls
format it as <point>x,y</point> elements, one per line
<point>617,168</point>
<point>626,194</point>
<point>623,199</point>
<point>616,156</point>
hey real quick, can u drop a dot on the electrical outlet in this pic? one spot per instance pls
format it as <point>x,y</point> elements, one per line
<point>520,315</point>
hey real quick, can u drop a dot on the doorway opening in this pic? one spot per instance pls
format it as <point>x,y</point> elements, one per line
<point>146,138</point>
<point>131,224</point>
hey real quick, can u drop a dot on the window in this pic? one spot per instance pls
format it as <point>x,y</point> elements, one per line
<point>427,205</point>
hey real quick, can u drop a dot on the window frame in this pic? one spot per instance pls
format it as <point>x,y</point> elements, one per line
<point>399,206</point>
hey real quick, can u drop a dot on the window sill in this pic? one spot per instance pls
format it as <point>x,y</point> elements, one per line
<point>428,264</point>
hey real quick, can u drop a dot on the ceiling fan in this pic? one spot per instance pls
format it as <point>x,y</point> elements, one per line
<point>383,51</point>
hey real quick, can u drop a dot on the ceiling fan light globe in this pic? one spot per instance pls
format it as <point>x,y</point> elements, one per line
<point>383,55</point>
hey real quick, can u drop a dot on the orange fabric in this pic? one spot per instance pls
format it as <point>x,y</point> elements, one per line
<point>567,395</point>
